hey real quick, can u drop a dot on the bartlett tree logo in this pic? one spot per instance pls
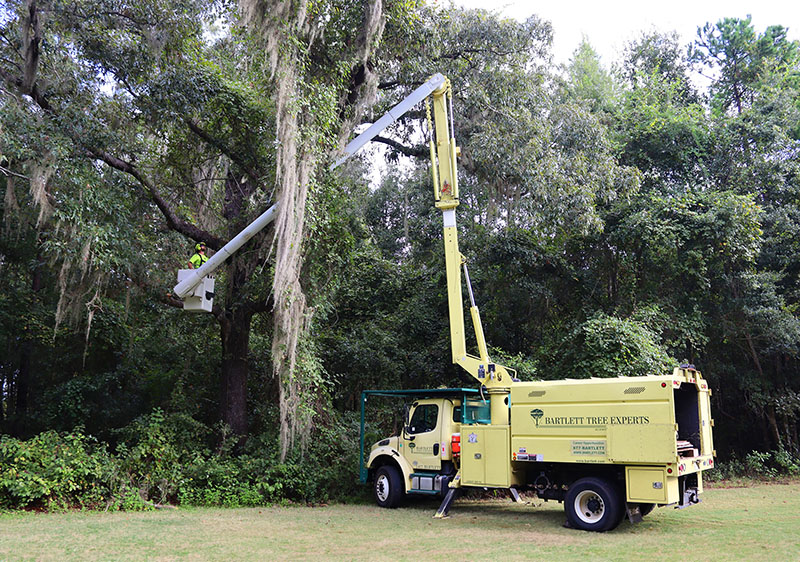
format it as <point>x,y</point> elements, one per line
<point>537,415</point>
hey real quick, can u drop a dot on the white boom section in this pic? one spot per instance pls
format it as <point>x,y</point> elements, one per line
<point>393,115</point>
<point>186,286</point>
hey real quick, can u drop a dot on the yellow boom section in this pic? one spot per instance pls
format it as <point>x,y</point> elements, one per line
<point>444,153</point>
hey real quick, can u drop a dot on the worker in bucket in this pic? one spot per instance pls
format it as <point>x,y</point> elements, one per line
<point>199,257</point>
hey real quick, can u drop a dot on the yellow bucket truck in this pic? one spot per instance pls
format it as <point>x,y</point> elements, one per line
<point>607,448</point>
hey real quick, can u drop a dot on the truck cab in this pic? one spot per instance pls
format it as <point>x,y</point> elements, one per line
<point>424,458</point>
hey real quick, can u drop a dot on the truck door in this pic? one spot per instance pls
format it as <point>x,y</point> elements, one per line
<point>423,436</point>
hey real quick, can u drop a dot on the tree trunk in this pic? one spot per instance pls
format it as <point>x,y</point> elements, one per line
<point>613,276</point>
<point>27,351</point>
<point>773,425</point>
<point>235,346</point>
<point>32,38</point>
<point>769,409</point>
<point>235,320</point>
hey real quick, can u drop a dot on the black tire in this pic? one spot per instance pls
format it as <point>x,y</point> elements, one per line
<point>388,487</point>
<point>594,504</point>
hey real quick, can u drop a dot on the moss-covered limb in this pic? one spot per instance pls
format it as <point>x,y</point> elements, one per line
<point>319,92</point>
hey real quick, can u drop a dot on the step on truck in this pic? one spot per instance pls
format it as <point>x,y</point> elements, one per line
<point>607,448</point>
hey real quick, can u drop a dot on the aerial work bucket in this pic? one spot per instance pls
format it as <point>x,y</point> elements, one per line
<point>201,299</point>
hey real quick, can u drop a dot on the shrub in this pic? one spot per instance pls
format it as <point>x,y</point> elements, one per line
<point>54,470</point>
<point>757,464</point>
<point>162,458</point>
<point>607,346</point>
<point>151,459</point>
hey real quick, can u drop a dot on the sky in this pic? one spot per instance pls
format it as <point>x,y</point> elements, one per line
<point>609,25</point>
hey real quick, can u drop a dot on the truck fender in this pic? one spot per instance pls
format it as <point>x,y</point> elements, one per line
<point>388,455</point>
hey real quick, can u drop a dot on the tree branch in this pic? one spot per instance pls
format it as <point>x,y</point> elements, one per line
<point>219,145</point>
<point>413,151</point>
<point>462,53</point>
<point>170,300</point>
<point>262,305</point>
<point>173,220</point>
<point>7,172</point>
<point>394,83</point>
<point>32,37</point>
<point>27,85</point>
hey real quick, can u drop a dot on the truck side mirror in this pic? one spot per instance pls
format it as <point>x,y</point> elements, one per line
<point>407,422</point>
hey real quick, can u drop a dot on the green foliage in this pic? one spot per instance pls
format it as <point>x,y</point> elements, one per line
<point>745,59</point>
<point>151,458</point>
<point>526,367</point>
<point>163,460</point>
<point>662,134</point>
<point>661,54</point>
<point>588,80</point>
<point>57,471</point>
<point>607,346</point>
<point>757,464</point>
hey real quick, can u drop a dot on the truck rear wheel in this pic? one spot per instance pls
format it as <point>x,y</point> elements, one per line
<point>593,504</point>
<point>388,487</point>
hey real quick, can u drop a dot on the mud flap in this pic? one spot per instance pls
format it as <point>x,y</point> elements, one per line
<point>635,513</point>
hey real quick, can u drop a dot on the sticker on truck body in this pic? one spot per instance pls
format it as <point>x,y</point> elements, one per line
<point>587,447</point>
<point>535,457</point>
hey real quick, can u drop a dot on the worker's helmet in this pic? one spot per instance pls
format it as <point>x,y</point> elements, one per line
<point>200,245</point>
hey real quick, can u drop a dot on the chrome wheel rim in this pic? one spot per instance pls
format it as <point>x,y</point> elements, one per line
<point>382,487</point>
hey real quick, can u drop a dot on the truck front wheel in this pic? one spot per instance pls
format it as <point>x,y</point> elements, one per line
<point>593,504</point>
<point>388,487</point>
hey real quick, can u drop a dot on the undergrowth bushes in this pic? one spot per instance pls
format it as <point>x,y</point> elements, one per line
<point>52,470</point>
<point>164,459</point>
<point>757,464</point>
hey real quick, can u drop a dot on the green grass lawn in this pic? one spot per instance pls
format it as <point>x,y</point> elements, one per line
<point>755,522</point>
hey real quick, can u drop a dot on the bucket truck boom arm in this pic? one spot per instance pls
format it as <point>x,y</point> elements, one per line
<point>391,116</point>
<point>444,153</point>
<point>437,92</point>
<point>193,277</point>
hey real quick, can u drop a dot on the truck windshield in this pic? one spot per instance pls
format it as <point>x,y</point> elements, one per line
<point>424,418</point>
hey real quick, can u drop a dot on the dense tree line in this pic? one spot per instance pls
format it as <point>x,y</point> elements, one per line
<point>617,221</point>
